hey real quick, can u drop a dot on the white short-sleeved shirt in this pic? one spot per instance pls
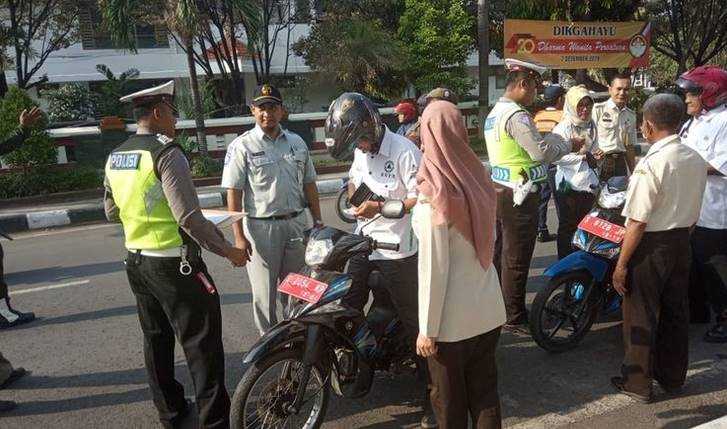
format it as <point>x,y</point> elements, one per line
<point>665,190</point>
<point>390,173</point>
<point>707,134</point>
<point>616,127</point>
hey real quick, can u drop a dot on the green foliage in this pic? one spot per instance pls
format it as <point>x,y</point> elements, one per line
<point>43,180</point>
<point>185,103</point>
<point>354,54</point>
<point>113,89</point>
<point>206,166</point>
<point>37,150</point>
<point>71,102</point>
<point>438,37</point>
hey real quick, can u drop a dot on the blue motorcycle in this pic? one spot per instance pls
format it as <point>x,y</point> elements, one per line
<point>579,289</point>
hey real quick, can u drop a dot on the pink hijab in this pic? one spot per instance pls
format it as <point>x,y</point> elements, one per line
<point>454,180</point>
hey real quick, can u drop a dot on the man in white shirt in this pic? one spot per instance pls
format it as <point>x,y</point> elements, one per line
<point>616,125</point>
<point>387,164</point>
<point>705,90</point>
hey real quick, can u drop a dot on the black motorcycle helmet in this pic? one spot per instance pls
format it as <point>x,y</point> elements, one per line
<point>352,117</point>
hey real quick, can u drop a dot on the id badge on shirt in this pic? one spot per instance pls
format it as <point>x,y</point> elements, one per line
<point>260,160</point>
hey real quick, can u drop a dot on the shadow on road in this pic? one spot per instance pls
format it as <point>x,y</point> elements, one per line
<point>692,417</point>
<point>226,299</point>
<point>57,273</point>
<point>33,408</point>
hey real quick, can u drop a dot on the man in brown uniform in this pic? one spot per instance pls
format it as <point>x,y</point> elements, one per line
<point>663,201</point>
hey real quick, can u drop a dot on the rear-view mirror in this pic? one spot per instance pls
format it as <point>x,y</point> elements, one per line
<point>393,209</point>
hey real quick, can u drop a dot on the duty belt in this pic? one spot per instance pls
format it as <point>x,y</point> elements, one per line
<point>279,217</point>
<point>537,173</point>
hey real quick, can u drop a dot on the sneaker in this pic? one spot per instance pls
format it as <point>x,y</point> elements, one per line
<point>620,384</point>
<point>10,317</point>
<point>517,329</point>
<point>429,421</point>
<point>717,334</point>
<point>546,237</point>
<point>6,406</point>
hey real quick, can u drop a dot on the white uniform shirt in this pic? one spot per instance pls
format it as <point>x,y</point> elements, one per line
<point>616,127</point>
<point>391,173</point>
<point>707,134</point>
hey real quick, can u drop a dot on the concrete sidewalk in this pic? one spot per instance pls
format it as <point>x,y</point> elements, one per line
<point>39,216</point>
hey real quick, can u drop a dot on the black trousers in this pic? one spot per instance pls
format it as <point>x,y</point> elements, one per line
<point>517,228</point>
<point>574,206</point>
<point>656,312</point>
<point>613,164</point>
<point>547,189</point>
<point>173,305</point>
<point>708,286</point>
<point>464,383</point>
<point>3,285</point>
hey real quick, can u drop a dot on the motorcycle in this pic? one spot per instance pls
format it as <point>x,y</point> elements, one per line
<point>321,344</point>
<point>343,205</point>
<point>580,289</point>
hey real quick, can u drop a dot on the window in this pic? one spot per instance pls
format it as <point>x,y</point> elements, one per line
<point>500,81</point>
<point>94,36</point>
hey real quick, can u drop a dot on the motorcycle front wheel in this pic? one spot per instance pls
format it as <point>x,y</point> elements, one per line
<point>564,311</point>
<point>268,388</point>
<point>342,204</point>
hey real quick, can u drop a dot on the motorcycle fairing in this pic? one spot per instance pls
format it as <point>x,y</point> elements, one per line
<point>580,260</point>
<point>281,334</point>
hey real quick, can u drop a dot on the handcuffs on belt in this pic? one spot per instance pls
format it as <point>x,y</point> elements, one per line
<point>185,268</point>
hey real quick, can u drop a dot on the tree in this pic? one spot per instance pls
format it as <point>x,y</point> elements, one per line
<point>690,32</point>
<point>32,30</point>
<point>354,54</point>
<point>39,149</point>
<point>71,102</point>
<point>182,17</point>
<point>438,37</point>
<point>113,89</point>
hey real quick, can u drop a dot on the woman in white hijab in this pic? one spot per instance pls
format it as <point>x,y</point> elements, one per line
<point>575,180</point>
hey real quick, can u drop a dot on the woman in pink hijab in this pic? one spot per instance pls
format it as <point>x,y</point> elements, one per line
<point>461,308</point>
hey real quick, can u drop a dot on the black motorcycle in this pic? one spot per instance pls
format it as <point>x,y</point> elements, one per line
<point>321,343</point>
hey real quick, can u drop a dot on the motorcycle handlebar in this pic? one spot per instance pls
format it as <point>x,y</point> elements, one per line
<point>386,246</point>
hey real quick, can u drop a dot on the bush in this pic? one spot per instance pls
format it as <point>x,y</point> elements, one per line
<point>43,180</point>
<point>39,149</point>
<point>205,166</point>
<point>71,102</point>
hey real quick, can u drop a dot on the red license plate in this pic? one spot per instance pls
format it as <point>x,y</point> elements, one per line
<point>303,287</point>
<point>603,228</point>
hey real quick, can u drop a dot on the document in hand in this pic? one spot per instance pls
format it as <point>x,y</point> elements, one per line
<point>222,218</point>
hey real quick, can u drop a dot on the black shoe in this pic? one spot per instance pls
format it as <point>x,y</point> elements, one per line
<point>10,317</point>
<point>619,384</point>
<point>671,390</point>
<point>717,334</point>
<point>6,406</point>
<point>16,375</point>
<point>546,237</point>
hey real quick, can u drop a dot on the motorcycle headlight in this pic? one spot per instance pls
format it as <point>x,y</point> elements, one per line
<point>608,200</point>
<point>317,251</point>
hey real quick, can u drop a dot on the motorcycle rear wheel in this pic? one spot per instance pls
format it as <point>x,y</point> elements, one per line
<point>342,204</point>
<point>556,310</point>
<point>260,404</point>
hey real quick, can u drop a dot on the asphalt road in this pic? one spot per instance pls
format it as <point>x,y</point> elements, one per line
<point>86,358</point>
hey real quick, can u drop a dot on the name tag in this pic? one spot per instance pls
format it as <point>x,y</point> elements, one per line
<point>259,161</point>
<point>125,161</point>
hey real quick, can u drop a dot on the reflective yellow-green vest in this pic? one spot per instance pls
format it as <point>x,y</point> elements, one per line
<point>509,162</point>
<point>137,191</point>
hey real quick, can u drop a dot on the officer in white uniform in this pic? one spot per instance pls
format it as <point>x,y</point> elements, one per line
<point>387,164</point>
<point>705,90</point>
<point>269,174</point>
<point>616,124</point>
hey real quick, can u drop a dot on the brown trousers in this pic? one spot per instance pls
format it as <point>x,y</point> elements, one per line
<point>574,206</point>
<point>656,312</point>
<point>517,228</point>
<point>464,383</point>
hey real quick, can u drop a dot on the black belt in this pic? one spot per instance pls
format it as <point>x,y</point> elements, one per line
<point>278,217</point>
<point>615,155</point>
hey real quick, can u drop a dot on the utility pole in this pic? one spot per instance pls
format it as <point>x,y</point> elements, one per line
<point>483,35</point>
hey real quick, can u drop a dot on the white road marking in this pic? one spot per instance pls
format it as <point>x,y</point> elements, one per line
<point>49,287</point>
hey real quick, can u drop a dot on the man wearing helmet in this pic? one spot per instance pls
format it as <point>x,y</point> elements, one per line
<point>705,91</point>
<point>406,113</point>
<point>519,156</point>
<point>387,164</point>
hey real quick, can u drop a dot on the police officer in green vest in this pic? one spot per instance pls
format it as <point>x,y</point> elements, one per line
<point>519,158</point>
<point>150,190</point>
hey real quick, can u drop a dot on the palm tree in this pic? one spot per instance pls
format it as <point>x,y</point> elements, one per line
<point>183,17</point>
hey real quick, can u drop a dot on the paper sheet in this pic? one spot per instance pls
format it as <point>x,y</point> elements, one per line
<point>222,218</point>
